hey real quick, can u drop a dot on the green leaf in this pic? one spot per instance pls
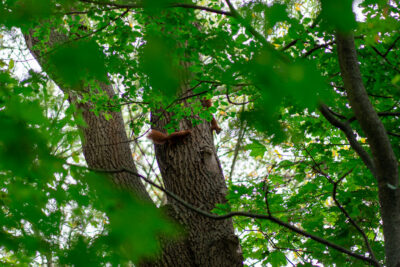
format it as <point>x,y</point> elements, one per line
<point>78,62</point>
<point>241,38</point>
<point>257,149</point>
<point>158,63</point>
<point>330,11</point>
<point>11,64</point>
<point>277,258</point>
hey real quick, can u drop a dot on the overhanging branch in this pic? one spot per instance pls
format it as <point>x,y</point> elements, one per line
<point>241,214</point>
<point>170,5</point>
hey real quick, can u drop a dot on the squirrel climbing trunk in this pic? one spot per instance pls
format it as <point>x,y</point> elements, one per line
<point>207,103</point>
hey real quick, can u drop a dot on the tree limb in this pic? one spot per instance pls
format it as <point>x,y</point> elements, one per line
<point>318,169</point>
<point>242,214</point>
<point>172,5</point>
<point>348,131</point>
<point>343,210</point>
<point>385,58</point>
<point>380,114</point>
<point>385,161</point>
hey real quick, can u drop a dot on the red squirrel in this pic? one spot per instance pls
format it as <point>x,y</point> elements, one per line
<point>215,126</point>
<point>161,138</point>
<point>207,103</point>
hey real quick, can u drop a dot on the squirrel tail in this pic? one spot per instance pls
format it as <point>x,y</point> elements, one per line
<point>161,138</point>
<point>157,137</point>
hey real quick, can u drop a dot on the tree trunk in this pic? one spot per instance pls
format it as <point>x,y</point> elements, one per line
<point>105,143</point>
<point>383,156</point>
<point>189,169</point>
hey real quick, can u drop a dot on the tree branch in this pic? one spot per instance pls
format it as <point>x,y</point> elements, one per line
<point>380,114</point>
<point>289,45</point>
<point>172,5</point>
<point>250,28</point>
<point>317,47</point>
<point>348,131</point>
<point>393,134</point>
<point>391,46</point>
<point>385,160</point>
<point>385,58</point>
<point>231,102</point>
<point>343,210</point>
<point>364,111</point>
<point>80,37</point>
<point>318,169</point>
<point>242,214</point>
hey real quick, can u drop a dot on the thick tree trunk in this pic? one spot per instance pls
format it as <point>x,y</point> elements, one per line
<point>105,143</point>
<point>383,156</point>
<point>190,169</point>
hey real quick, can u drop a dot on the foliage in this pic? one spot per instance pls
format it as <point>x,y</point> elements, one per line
<point>48,206</point>
<point>280,56</point>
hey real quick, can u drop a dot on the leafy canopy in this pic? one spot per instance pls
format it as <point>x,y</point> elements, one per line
<point>277,56</point>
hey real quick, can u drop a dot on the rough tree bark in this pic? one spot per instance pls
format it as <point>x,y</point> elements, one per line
<point>105,144</point>
<point>190,169</point>
<point>385,162</point>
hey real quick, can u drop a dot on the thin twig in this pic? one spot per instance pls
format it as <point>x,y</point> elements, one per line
<point>380,114</point>
<point>317,47</point>
<point>391,46</point>
<point>318,169</point>
<point>343,210</point>
<point>385,58</point>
